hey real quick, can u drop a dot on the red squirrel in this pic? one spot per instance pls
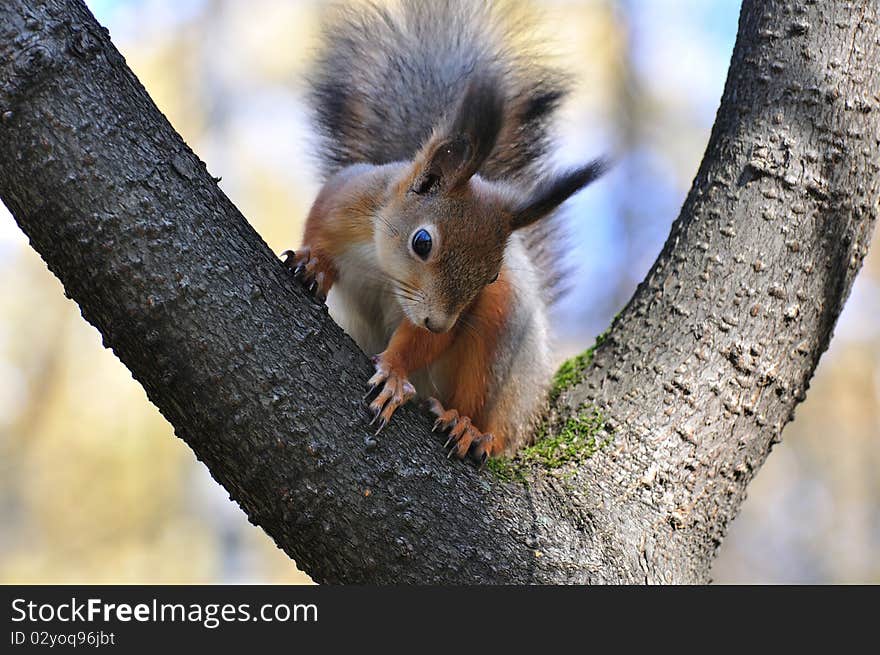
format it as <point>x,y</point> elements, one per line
<point>423,239</point>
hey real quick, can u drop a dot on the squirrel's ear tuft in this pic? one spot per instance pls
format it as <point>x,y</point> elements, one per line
<point>552,191</point>
<point>457,151</point>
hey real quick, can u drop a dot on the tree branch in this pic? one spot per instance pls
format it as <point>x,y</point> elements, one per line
<point>697,377</point>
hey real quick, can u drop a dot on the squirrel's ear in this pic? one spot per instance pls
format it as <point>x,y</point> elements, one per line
<point>552,191</point>
<point>456,152</point>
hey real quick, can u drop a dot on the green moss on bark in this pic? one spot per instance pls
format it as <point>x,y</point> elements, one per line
<point>574,440</point>
<point>572,371</point>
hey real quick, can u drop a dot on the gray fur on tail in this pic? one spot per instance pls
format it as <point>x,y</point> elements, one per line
<point>386,77</point>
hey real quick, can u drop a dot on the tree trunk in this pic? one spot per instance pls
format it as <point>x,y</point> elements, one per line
<point>694,382</point>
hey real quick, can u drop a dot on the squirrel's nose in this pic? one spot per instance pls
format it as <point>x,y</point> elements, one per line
<point>439,325</point>
<point>431,327</point>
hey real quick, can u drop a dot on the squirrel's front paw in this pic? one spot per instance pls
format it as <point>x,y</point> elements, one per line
<point>464,437</point>
<point>394,388</point>
<point>315,272</point>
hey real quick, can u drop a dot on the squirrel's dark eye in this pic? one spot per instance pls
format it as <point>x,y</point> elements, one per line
<point>494,279</point>
<point>421,243</point>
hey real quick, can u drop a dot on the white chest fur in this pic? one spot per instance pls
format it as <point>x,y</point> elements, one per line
<point>361,300</point>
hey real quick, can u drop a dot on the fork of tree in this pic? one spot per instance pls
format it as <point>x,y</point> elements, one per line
<point>662,427</point>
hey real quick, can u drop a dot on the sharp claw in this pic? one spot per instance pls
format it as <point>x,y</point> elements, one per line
<point>370,391</point>
<point>448,441</point>
<point>378,412</point>
<point>436,425</point>
<point>298,270</point>
<point>382,425</point>
<point>449,454</point>
<point>287,254</point>
<point>313,286</point>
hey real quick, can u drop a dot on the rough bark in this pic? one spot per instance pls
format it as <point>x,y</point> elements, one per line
<point>697,376</point>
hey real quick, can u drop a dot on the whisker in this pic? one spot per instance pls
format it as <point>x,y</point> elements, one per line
<point>431,379</point>
<point>391,228</point>
<point>402,296</point>
<point>414,295</point>
<point>404,284</point>
<point>467,323</point>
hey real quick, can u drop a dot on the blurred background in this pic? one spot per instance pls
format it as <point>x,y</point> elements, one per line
<point>95,488</point>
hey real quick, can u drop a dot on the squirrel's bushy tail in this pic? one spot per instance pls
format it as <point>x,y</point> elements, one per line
<point>386,77</point>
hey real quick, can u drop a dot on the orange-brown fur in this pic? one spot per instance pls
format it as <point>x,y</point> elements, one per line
<point>341,214</point>
<point>470,356</point>
<point>412,348</point>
